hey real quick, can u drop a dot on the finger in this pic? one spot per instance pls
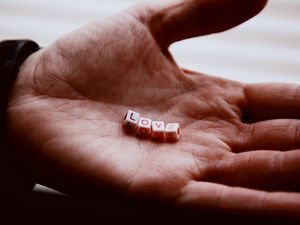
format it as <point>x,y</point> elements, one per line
<point>191,18</point>
<point>236,199</point>
<point>280,134</point>
<point>268,170</point>
<point>272,101</point>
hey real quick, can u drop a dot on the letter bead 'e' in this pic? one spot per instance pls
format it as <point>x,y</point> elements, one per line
<point>172,132</point>
<point>144,126</point>
<point>131,119</point>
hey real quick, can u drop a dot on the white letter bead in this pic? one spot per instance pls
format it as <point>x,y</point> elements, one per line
<point>172,132</point>
<point>144,126</point>
<point>131,119</point>
<point>158,130</point>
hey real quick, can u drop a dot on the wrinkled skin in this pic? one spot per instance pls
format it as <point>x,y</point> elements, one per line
<point>238,150</point>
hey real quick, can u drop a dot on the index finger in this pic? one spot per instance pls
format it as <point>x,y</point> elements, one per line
<point>272,101</point>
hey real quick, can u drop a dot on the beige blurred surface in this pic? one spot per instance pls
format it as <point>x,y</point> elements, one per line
<point>265,49</point>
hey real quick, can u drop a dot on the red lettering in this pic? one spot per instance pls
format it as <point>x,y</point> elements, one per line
<point>131,117</point>
<point>158,125</point>
<point>145,122</point>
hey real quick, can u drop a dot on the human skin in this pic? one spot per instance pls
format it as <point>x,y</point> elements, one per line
<point>239,146</point>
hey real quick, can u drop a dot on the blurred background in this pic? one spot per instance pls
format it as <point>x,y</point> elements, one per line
<point>264,49</point>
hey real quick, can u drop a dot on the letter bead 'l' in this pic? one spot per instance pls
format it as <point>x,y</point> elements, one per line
<point>131,118</point>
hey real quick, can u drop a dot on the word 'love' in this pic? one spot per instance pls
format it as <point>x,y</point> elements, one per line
<point>156,129</point>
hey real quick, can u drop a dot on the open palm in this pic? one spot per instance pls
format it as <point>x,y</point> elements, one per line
<point>70,99</point>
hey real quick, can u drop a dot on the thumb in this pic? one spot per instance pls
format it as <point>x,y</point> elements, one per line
<point>191,18</point>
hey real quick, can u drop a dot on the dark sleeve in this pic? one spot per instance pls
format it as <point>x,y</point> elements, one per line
<point>14,176</point>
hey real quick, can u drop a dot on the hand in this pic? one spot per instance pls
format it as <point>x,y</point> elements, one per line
<point>238,141</point>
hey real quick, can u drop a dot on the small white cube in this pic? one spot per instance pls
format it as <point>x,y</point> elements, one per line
<point>172,132</point>
<point>158,130</point>
<point>144,126</point>
<point>131,119</point>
